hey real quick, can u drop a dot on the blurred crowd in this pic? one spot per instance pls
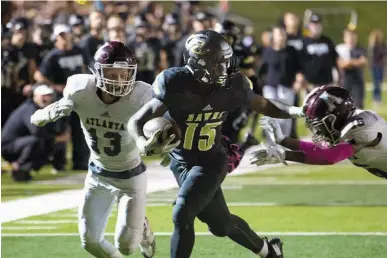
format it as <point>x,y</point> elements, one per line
<point>40,49</point>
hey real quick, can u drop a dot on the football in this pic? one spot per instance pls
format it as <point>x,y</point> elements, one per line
<point>160,123</point>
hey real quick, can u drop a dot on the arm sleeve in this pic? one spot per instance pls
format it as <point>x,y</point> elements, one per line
<point>325,156</point>
<point>246,94</point>
<point>159,87</point>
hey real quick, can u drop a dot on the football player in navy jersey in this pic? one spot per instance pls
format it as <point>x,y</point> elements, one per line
<point>198,97</point>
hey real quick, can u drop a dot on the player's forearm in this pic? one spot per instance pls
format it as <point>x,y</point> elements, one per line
<point>295,156</point>
<point>137,122</point>
<point>270,108</point>
<point>277,109</point>
<point>52,112</point>
<point>290,143</point>
<point>154,108</point>
<point>309,153</point>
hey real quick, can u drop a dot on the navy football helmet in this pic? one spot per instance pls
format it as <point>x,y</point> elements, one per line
<point>210,58</point>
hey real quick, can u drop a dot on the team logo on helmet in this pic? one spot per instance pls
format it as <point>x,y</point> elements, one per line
<point>195,45</point>
<point>331,100</point>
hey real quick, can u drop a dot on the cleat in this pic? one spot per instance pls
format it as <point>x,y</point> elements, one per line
<point>148,243</point>
<point>275,248</point>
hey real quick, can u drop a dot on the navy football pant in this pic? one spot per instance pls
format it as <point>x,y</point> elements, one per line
<point>201,196</point>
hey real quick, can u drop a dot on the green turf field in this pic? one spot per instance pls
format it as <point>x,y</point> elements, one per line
<point>337,211</point>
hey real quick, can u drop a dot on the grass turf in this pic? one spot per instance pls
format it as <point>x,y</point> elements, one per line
<point>306,199</point>
<point>209,246</point>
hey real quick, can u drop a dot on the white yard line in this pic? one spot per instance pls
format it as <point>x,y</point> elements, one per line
<point>209,234</point>
<point>274,204</point>
<point>159,179</point>
<point>43,222</point>
<point>26,228</point>
<point>276,181</point>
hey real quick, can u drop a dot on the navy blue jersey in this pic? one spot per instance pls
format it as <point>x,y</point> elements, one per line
<point>199,117</point>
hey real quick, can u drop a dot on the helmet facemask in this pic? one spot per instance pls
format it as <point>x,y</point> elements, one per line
<point>116,79</point>
<point>324,132</point>
<point>216,73</point>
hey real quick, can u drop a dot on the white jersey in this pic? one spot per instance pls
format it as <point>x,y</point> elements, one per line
<point>365,127</point>
<point>106,126</point>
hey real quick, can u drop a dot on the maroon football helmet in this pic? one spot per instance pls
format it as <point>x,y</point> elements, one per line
<point>115,68</point>
<point>328,109</point>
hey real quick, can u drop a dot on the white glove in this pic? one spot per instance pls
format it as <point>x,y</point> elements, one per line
<point>268,155</point>
<point>272,128</point>
<point>52,112</point>
<point>149,147</point>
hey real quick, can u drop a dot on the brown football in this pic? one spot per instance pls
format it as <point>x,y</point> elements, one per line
<point>160,123</point>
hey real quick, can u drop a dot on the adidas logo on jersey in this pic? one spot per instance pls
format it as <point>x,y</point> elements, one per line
<point>207,108</point>
<point>105,114</point>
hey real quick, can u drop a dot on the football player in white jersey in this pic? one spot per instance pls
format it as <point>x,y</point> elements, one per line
<point>340,131</point>
<point>105,101</point>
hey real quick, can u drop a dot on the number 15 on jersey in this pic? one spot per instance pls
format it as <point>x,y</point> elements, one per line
<point>207,135</point>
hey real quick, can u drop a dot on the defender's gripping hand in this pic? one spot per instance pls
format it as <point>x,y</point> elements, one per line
<point>272,128</point>
<point>52,112</point>
<point>268,155</point>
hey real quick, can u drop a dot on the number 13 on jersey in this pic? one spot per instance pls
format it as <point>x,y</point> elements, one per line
<point>207,135</point>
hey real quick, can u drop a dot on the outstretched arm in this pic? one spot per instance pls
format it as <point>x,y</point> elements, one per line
<point>310,153</point>
<point>52,112</point>
<point>303,151</point>
<point>275,108</point>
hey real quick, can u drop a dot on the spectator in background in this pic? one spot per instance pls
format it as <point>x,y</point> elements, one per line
<point>292,26</point>
<point>172,36</point>
<point>25,145</point>
<point>377,50</point>
<point>18,66</point>
<point>64,60</point>
<point>144,53</point>
<point>318,57</point>
<point>95,38</point>
<point>41,36</point>
<point>281,65</point>
<point>294,38</point>
<point>266,37</point>
<point>116,29</point>
<point>59,64</point>
<point>77,25</point>
<point>200,21</point>
<point>352,67</point>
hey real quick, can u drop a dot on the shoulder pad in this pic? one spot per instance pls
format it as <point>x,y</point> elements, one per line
<point>362,127</point>
<point>78,83</point>
<point>169,80</point>
<point>142,92</point>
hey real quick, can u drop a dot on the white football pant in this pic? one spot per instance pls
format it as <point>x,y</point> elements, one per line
<point>99,196</point>
<point>285,95</point>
